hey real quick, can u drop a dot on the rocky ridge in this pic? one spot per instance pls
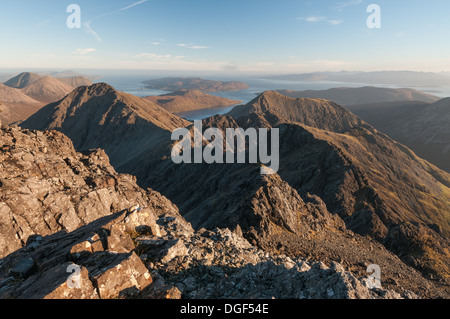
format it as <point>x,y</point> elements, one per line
<point>360,186</point>
<point>74,228</point>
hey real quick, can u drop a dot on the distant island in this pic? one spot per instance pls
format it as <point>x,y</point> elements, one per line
<point>363,95</point>
<point>178,84</point>
<point>402,78</point>
<point>190,100</point>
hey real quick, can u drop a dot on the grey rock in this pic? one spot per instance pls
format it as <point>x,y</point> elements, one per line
<point>24,268</point>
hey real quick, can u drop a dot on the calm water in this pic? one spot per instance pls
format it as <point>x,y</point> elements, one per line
<point>133,85</point>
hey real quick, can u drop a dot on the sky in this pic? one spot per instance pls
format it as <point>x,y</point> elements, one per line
<point>230,37</point>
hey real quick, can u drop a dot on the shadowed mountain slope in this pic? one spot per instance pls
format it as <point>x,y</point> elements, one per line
<point>422,127</point>
<point>377,186</point>
<point>23,79</point>
<point>15,105</point>
<point>47,89</point>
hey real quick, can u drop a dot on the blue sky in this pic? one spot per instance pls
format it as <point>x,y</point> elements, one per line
<point>232,36</point>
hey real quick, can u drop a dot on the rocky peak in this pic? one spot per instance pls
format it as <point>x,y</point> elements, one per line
<point>272,108</point>
<point>96,89</point>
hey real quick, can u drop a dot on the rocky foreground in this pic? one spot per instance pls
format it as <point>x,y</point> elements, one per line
<point>71,227</point>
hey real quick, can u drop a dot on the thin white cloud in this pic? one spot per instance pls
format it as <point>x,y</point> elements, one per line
<point>317,19</point>
<point>335,22</point>
<point>123,9</point>
<point>312,19</point>
<point>87,25</point>
<point>133,5</point>
<point>192,46</point>
<point>84,51</point>
<point>88,29</point>
<point>343,5</point>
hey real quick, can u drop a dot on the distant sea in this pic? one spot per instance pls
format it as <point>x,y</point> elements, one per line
<point>132,84</point>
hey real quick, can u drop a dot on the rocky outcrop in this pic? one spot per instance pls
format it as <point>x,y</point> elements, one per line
<point>47,187</point>
<point>68,221</point>
<point>94,261</point>
<point>230,267</point>
<point>100,260</point>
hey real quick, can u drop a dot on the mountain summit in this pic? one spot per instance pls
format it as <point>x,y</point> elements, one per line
<point>272,108</point>
<point>125,125</point>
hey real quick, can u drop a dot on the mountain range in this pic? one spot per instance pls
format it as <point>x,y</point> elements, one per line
<point>412,117</point>
<point>24,94</point>
<point>403,78</point>
<point>334,167</point>
<point>363,95</point>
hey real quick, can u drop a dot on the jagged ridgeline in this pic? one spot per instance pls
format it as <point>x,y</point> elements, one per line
<point>344,191</point>
<point>66,232</point>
